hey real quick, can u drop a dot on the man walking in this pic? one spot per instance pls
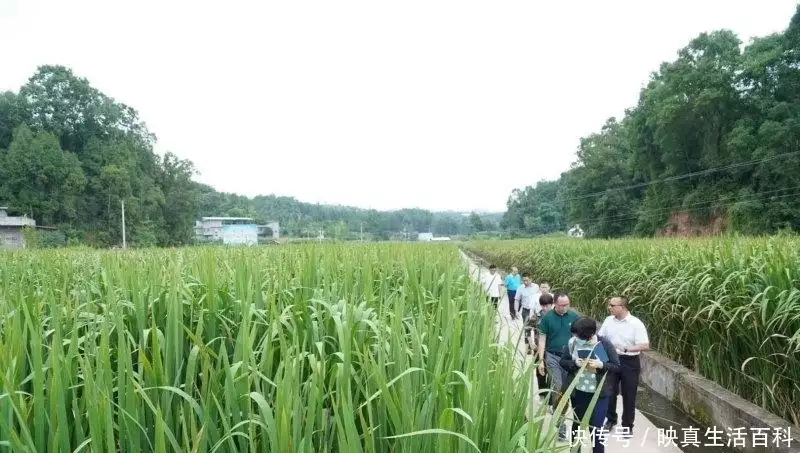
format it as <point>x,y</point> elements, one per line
<point>555,330</point>
<point>528,297</point>
<point>491,284</point>
<point>532,334</point>
<point>629,336</point>
<point>530,327</point>
<point>545,288</point>
<point>512,283</point>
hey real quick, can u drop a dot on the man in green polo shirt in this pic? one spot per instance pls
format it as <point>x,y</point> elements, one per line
<point>555,331</point>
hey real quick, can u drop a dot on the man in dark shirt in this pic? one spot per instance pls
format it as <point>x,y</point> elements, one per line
<point>555,330</point>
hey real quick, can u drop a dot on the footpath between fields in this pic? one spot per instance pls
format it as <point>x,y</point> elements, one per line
<point>726,422</point>
<point>645,437</point>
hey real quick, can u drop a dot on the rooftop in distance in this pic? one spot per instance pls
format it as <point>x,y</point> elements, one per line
<point>10,221</point>
<point>227,218</point>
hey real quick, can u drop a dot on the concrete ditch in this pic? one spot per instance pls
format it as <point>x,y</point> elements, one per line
<point>736,422</point>
<point>712,405</point>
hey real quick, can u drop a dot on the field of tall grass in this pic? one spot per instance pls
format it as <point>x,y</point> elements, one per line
<point>300,348</point>
<point>727,308</point>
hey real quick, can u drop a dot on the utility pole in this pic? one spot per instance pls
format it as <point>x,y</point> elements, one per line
<point>124,244</point>
<point>362,231</point>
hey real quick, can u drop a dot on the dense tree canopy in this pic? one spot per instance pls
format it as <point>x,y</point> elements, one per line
<point>711,146</point>
<point>299,219</point>
<point>69,156</point>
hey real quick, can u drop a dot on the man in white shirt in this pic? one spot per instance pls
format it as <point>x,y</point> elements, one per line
<point>528,298</point>
<point>629,336</point>
<point>491,284</point>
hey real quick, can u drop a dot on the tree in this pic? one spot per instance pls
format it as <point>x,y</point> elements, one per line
<point>712,138</point>
<point>181,199</point>
<point>69,107</point>
<point>39,178</point>
<point>475,222</point>
<point>340,230</point>
<point>66,121</point>
<point>445,226</point>
<point>11,116</point>
<point>594,187</point>
<point>536,209</point>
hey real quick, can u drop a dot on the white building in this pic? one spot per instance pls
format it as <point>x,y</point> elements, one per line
<point>575,231</point>
<point>11,229</point>
<point>233,230</point>
<point>431,237</point>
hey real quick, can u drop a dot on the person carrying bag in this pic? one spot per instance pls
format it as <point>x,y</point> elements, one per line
<point>587,358</point>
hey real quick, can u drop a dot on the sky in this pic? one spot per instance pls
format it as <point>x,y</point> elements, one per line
<point>440,105</point>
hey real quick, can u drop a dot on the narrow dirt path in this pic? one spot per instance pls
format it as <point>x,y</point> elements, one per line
<point>646,437</point>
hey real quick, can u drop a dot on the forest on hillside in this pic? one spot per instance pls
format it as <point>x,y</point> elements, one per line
<point>70,154</point>
<point>712,146</point>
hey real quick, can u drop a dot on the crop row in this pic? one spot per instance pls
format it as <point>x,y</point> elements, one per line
<point>726,308</point>
<point>307,348</point>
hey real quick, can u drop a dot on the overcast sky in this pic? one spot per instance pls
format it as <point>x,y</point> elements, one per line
<point>434,104</point>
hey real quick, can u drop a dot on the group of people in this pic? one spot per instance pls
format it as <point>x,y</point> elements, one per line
<point>521,290</point>
<point>570,347</point>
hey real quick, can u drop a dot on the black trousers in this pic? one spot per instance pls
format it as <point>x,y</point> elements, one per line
<point>626,382</point>
<point>530,337</point>
<point>511,303</point>
<point>526,313</point>
<point>527,330</point>
<point>541,381</point>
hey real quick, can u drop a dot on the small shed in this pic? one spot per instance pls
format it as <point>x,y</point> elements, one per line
<point>11,229</point>
<point>576,231</point>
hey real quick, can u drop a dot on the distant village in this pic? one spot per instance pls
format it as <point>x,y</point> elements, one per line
<point>207,230</point>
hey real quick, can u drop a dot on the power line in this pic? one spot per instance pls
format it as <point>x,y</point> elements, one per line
<point>729,202</point>
<point>680,177</point>
<point>746,197</point>
<point>698,206</point>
